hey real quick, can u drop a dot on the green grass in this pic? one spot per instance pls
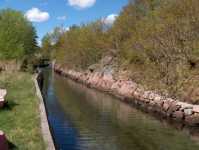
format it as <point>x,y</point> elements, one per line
<point>20,118</point>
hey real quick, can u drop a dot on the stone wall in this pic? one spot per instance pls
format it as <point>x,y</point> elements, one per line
<point>45,129</point>
<point>131,92</point>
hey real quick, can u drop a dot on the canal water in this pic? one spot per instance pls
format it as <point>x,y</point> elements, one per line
<point>85,119</point>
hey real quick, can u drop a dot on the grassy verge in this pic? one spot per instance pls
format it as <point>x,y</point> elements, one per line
<point>20,119</point>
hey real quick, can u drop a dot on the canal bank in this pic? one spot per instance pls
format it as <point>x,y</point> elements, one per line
<point>45,129</point>
<point>20,118</point>
<point>82,118</point>
<point>132,93</point>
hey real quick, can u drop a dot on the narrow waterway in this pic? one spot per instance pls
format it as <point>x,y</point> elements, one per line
<point>85,119</point>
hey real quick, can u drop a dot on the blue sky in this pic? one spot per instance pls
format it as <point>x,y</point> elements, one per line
<point>47,14</point>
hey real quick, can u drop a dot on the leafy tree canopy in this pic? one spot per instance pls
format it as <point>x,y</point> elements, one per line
<point>17,35</point>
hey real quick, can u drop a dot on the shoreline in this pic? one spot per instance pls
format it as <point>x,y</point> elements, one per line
<point>129,92</point>
<point>45,128</point>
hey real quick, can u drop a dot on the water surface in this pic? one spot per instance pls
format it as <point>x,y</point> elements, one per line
<point>85,119</point>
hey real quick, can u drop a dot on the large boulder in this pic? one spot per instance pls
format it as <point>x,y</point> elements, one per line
<point>3,141</point>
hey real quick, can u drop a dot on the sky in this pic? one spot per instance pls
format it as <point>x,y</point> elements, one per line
<point>47,14</point>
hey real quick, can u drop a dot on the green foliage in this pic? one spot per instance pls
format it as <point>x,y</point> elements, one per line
<point>79,47</point>
<point>158,40</point>
<point>17,35</point>
<point>50,42</point>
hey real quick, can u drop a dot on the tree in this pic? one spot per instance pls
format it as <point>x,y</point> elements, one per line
<point>17,35</point>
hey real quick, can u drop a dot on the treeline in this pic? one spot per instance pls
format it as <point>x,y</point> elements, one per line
<point>17,38</point>
<point>157,41</point>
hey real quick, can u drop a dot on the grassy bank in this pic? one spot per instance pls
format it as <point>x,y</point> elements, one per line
<point>20,119</point>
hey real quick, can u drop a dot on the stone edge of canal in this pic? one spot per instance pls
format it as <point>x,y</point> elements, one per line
<point>45,128</point>
<point>129,92</point>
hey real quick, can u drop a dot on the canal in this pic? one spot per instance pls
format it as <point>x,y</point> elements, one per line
<point>85,119</point>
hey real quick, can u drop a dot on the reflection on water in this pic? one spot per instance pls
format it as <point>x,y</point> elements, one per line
<point>85,119</point>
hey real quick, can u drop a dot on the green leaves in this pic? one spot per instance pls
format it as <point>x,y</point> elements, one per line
<point>157,39</point>
<point>17,35</point>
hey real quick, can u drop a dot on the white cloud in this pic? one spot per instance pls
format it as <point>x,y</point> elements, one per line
<point>61,18</point>
<point>110,19</point>
<point>36,15</point>
<point>81,3</point>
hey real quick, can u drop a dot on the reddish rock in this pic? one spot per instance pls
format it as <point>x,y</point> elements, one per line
<point>174,107</point>
<point>142,98</point>
<point>158,100</point>
<point>152,103</point>
<point>193,119</point>
<point>166,106</point>
<point>159,103</point>
<point>3,141</point>
<point>196,108</point>
<point>140,92</point>
<point>125,89</point>
<point>136,94</point>
<point>178,115</point>
<point>129,89</point>
<point>146,94</point>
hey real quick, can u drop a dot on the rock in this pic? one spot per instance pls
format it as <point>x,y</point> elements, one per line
<point>178,115</point>
<point>184,105</point>
<point>174,107</point>
<point>103,78</point>
<point>193,119</point>
<point>166,106</point>
<point>196,108</point>
<point>3,141</point>
<point>151,96</point>
<point>158,100</point>
<point>140,92</point>
<point>152,103</point>
<point>188,111</point>
<point>136,94</point>
<point>146,94</point>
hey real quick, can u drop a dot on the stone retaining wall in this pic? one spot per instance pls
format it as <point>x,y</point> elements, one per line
<point>44,120</point>
<point>133,93</point>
